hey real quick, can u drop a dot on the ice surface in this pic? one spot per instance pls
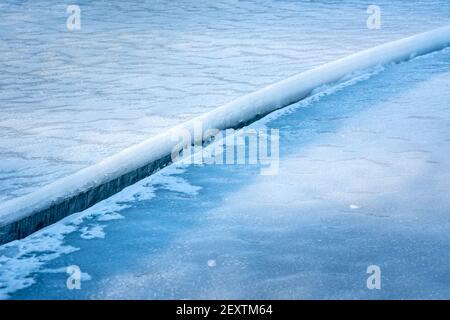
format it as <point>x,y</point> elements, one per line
<point>364,179</point>
<point>71,99</point>
<point>19,260</point>
<point>231,115</point>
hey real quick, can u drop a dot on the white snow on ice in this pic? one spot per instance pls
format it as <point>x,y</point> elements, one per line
<point>261,102</point>
<point>20,260</point>
<point>71,99</point>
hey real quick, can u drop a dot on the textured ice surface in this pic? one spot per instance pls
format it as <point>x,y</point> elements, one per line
<point>364,179</point>
<point>232,114</point>
<point>21,260</point>
<point>70,99</point>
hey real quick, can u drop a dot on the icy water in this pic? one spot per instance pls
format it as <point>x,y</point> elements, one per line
<point>70,99</point>
<point>364,170</point>
<point>363,180</point>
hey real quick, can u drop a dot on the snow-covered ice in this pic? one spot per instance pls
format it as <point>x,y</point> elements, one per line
<point>363,180</point>
<point>364,167</point>
<point>71,99</point>
<point>230,115</point>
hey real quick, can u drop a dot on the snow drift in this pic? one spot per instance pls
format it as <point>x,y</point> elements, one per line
<point>22,216</point>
